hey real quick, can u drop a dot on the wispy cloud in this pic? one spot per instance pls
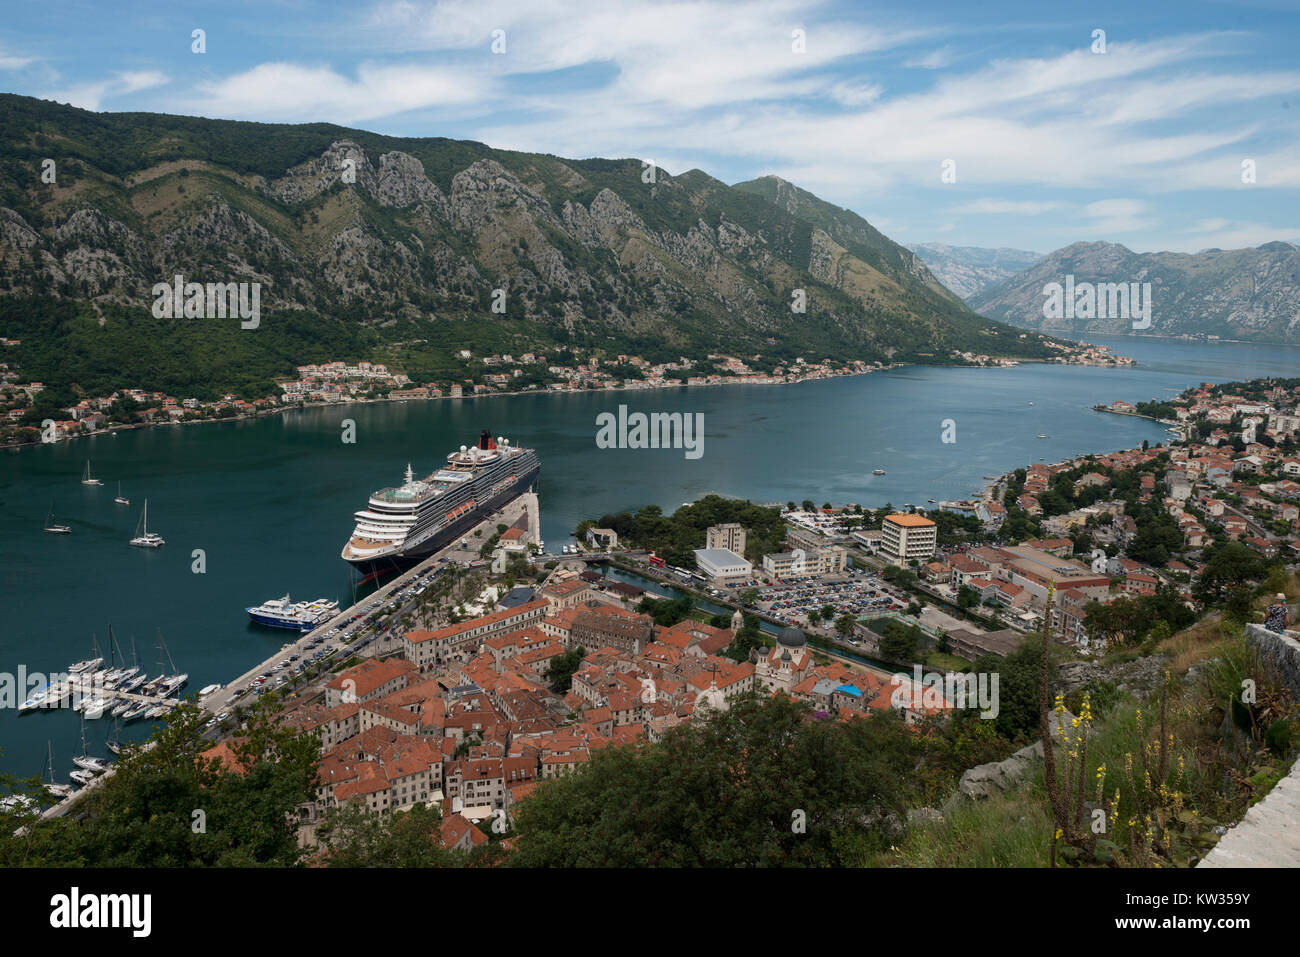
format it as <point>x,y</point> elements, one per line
<point>89,96</point>
<point>289,91</point>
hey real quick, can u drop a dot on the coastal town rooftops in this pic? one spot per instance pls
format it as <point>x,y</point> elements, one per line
<point>909,521</point>
<point>364,678</point>
<point>451,631</point>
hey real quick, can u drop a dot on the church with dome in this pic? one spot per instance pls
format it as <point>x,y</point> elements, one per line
<point>784,666</point>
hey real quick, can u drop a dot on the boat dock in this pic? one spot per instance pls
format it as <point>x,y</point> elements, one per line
<point>229,695</point>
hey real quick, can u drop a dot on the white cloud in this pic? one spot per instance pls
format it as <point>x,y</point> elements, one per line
<point>89,96</point>
<point>933,61</point>
<point>9,62</point>
<point>1111,216</point>
<point>288,91</point>
<point>1226,234</point>
<point>1013,207</point>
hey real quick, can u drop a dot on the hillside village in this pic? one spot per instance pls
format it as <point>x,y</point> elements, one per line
<point>24,404</point>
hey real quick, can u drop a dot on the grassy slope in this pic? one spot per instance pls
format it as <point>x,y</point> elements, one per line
<point>1014,829</point>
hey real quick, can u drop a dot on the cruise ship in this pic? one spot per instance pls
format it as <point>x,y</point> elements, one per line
<point>301,616</point>
<point>403,525</point>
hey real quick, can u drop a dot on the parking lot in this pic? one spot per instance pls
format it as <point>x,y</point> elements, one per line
<point>856,593</point>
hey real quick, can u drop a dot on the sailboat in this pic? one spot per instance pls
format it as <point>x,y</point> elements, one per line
<point>56,789</point>
<point>88,762</point>
<point>87,666</point>
<point>166,684</point>
<point>53,527</point>
<point>114,743</point>
<point>121,500</point>
<point>143,537</point>
<point>86,479</point>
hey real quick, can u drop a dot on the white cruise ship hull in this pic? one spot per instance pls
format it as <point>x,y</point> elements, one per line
<point>433,529</point>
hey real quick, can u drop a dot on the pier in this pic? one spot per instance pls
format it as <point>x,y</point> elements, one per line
<point>227,696</point>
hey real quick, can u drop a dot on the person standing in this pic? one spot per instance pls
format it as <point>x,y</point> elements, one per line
<point>1277,616</point>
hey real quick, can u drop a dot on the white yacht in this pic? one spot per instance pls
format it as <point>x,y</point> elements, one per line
<point>143,537</point>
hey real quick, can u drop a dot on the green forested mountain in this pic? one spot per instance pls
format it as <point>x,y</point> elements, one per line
<point>383,247</point>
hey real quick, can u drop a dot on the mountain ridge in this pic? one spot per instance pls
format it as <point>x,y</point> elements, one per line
<point>427,233</point>
<point>1250,294</point>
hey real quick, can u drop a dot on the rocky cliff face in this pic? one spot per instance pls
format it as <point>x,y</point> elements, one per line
<point>968,270</point>
<point>381,229</point>
<point>1231,294</point>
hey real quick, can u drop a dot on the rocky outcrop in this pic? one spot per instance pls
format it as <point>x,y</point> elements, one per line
<point>984,780</point>
<point>1139,676</point>
<point>327,219</point>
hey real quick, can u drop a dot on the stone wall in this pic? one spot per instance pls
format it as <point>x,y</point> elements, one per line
<point>1269,834</point>
<point>1279,653</point>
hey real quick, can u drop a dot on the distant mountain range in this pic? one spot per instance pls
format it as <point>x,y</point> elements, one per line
<point>968,269</point>
<point>1251,294</point>
<point>376,246</point>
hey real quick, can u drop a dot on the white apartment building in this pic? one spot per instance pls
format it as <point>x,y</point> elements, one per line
<point>805,564</point>
<point>906,537</point>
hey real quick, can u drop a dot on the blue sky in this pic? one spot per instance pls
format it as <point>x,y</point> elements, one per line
<point>1051,142</point>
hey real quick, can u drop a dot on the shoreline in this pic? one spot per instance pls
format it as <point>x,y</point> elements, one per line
<point>733,381</point>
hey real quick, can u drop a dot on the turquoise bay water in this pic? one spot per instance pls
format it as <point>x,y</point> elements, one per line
<point>270,501</point>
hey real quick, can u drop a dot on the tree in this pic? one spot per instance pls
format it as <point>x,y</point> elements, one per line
<point>898,643</point>
<point>844,624</point>
<point>828,612</point>
<point>1230,565</point>
<point>694,799</point>
<point>143,816</point>
<point>967,598</point>
<point>357,837</point>
<point>559,674</point>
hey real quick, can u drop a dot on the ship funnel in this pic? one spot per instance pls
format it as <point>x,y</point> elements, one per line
<point>485,441</point>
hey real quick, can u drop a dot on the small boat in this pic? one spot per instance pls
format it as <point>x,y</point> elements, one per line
<point>878,472</point>
<point>135,712</point>
<point>143,537</point>
<point>82,777</point>
<point>121,708</point>
<point>1041,436</point>
<point>90,664</point>
<point>86,478</point>
<point>37,700</point>
<point>57,790</point>
<point>92,707</point>
<point>172,683</point>
<point>209,689</point>
<point>53,527</point>
<point>87,761</point>
<point>121,500</point>
<point>114,743</point>
<point>17,802</point>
